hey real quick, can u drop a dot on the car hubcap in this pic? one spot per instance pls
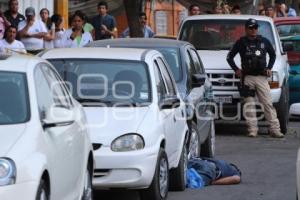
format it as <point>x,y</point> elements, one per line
<point>194,150</point>
<point>185,157</point>
<point>87,190</point>
<point>163,177</point>
<point>213,139</point>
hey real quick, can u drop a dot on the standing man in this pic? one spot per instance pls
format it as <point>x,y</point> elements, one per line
<point>12,14</point>
<point>148,33</point>
<point>254,75</point>
<point>33,32</point>
<point>104,24</point>
<point>10,44</point>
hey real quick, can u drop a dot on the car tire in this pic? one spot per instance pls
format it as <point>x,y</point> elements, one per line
<point>194,147</point>
<point>158,189</point>
<point>87,193</point>
<point>283,110</point>
<point>43,191</point>
<point>178,176</point>
<point>208,147</point>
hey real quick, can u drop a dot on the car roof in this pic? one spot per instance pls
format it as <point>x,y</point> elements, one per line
<point>235,17</point>
<point>95,53</point>
<point>18,62</point>
<point>286,20</point>
<point>139,42</point>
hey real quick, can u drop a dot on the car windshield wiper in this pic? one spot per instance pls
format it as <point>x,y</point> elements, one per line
<point>88,101</point>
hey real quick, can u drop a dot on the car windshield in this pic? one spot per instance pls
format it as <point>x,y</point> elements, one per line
<point>219,34</point>
<point>288,29</point>
<point>113,82</point>
<point>14,104</point>
<point>173,59</point>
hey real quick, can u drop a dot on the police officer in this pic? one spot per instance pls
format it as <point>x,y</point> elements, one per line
<point>254,74</point>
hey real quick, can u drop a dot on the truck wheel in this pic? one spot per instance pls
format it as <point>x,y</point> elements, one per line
<point>158,189</point>
<point>178,178</point>
<point>208,148</point>
<point>194,142</point>
<point>283,110</point>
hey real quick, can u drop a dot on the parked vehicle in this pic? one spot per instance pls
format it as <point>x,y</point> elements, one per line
<point>135,114</point>
<point>298,175</point>
<point>187,69</point>
<point>45,151</point>
<point>287,26</point>
<point>295,112</point>
<point>213,36</point>
<point>292,44</point>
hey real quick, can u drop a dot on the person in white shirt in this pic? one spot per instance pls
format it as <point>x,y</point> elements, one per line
<point>32,32</point>
<point>9,45</point>
<point>59,30</point>
<point>48,42</point>
<point>76,36</point>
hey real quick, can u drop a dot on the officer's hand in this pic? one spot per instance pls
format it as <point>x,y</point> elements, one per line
<point>238,73</point>
<point>269,73</point>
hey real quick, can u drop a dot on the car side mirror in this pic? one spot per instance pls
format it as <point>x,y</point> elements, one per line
<point>58,116</point>
<point>287,46</point>
<point>198,80</point>
<point>170,102</point>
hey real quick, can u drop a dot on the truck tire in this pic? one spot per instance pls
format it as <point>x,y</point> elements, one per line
<point>194,144</point>
<point>208,147</point>
<point>282,109</point>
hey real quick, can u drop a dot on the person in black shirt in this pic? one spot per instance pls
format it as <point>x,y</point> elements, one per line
<point>12,14</point>
<point>104,24</point>
<point>254,74</point>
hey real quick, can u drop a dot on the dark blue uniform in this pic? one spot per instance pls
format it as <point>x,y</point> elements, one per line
<point>253,55</point>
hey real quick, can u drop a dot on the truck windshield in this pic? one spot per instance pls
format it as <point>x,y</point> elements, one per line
<point>219,34</point>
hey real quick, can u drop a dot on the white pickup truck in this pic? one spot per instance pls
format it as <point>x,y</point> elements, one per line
<point>213,36</point>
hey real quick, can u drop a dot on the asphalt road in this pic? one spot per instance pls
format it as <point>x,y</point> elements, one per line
<point>268,168</point>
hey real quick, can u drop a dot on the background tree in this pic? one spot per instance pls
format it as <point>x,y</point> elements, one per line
<point>133,8</point>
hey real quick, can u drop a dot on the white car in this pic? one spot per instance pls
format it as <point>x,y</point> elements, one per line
<point>213,36</point>
<point>45,150</point>
<point>295,112</point>
<point>298,175</point>
<point>135,115</point>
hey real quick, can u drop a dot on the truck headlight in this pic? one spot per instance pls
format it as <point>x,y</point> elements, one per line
<point>274,80</point>
<point>7,172</point>
<point>128,142</point>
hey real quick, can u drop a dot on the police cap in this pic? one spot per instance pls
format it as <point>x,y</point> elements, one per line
<point>251,23</point>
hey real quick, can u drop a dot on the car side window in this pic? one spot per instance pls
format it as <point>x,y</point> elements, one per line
<point>160,84</point>
<point>167,76</point>
<point>58,92</point>
<point>43,92</point>
<point>191,65</point>
<point>197,62</point>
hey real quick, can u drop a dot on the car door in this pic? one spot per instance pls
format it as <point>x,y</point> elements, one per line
<point>61,140</point>
<point>199,95</point>
<point>175,125</point>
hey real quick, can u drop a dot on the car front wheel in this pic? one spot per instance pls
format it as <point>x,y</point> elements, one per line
<point>158,189</point>
<point>208,148</point>
<point>87,187</point>
<point>178,177</point>
<point>42,192</point>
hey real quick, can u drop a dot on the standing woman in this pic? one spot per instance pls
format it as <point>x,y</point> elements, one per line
<point>59,30</point>
<point>76,36</point>
<point>44,14</point>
